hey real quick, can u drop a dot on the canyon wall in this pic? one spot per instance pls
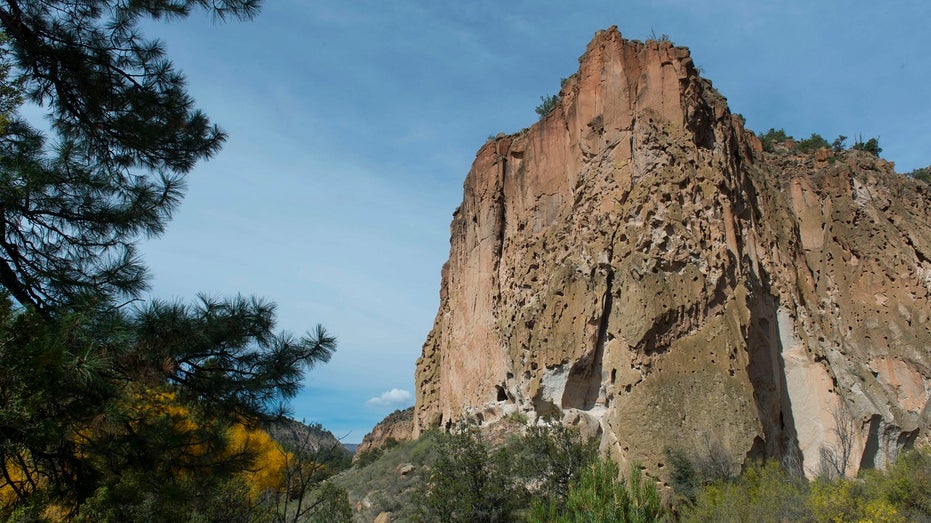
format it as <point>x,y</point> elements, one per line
<point>636,264</point>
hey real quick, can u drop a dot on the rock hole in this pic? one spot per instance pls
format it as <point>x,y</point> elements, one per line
<point>502,395</point>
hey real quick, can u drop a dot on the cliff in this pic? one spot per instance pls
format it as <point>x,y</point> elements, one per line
<point>395,428</point>
<point>636,263</point>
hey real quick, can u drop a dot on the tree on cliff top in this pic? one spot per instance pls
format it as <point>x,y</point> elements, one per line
<point>871,146</point>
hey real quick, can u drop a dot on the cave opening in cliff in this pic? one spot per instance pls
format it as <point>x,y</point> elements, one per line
<point>502,394</point>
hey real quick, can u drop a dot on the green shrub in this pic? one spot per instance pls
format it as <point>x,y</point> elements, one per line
<point>517,417</point>
<point>683,478</point>
<point>473,480</point>
<point>367,457</point>
<point>871,146</point>
<point>328,504</point>
<point>763,493</point>
<point>598,495</point>
<point>469,482</point>
<point>766,492</point>
<point>906,485</point>
<point>771,137</point>
<point>839,143</point>
<point>812,143</point>
<point>547,104</point>
<point>548,456</point>
<point>923,174</point>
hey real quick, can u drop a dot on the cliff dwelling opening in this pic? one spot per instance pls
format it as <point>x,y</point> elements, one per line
<point>502,395</point>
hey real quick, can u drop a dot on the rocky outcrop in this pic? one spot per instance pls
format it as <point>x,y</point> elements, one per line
<point>295,436</point>
<point>395,428</point>
<point>636,262</point>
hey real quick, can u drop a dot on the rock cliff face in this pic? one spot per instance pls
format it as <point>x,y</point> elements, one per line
<point>395,428</point>
<point>635,262</point>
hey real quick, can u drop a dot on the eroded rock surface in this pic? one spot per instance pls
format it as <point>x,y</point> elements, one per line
<point>635,262</point>
<point>395,428</point>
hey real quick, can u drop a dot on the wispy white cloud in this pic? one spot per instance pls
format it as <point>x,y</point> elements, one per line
<point>391,398</point>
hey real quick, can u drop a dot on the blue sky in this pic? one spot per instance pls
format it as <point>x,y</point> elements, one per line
<point>353,124</point>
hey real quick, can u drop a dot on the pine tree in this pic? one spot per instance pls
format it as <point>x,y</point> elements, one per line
<point>105,408</point>
<point>125,132</point>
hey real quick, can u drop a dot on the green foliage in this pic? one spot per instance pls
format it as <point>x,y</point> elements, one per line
<point>871,146</point>
<point>369,456</point>
<point>518,418</point>
<point>906,485</point>
<point>923,174</point>
<point>683,478</point>
<point>469,482</point>
<point>706,463</point>
<point>766,492</point>
<point>474,481</point>
<point>772,137</point>
<point>328,504</point>
<point>763,493</point>
<point>812,143</point>
<point>548,456</point>
<point>839,143</point>
<point>10,88</point>
<point>226,352</point>
<point>597,494</point>
<point>380,481</point>
<point>126,132</point>
<point>110,412</point>
<point>547,104</point>
<point>133,500</point>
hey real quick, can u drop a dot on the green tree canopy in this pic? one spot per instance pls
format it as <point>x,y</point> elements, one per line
<point>100,401</point>
<point>871,146</point>
<point>124,131</point>
<point>813,143</point>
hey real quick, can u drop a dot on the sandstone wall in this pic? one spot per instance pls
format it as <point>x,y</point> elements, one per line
<point>635,263</point>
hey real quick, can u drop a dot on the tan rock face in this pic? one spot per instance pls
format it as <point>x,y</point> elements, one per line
<point>637,263</point>
<point>397,426</point>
